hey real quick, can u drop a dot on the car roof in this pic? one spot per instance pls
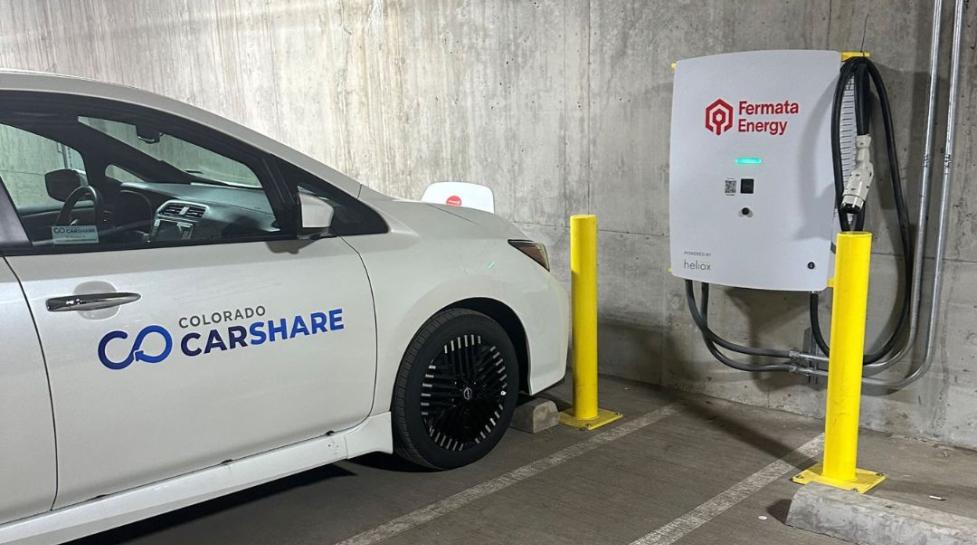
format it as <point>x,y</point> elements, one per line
<point>42,82</point>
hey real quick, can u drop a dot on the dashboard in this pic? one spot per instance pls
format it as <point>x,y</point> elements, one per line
<point>202,212</point>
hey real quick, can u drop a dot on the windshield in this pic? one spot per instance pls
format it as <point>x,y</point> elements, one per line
<point>203,165</point>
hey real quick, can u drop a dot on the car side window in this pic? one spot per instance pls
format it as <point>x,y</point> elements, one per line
<point>26,159</point>
<point>350,216</point>
<point>89,175</point>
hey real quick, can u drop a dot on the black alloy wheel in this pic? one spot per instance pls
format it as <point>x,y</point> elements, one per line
<point>456,390</point>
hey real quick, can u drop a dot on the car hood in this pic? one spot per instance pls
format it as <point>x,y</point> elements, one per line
<point>486,220</point>
<point>442,221</point>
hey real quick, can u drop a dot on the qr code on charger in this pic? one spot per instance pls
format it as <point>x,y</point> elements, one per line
<point>730,187</point>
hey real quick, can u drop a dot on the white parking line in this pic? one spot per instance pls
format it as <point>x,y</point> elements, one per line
<point>678,528</point>
<point>451,503</point>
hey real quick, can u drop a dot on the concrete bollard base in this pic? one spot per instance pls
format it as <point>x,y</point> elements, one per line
<point>868,520</point>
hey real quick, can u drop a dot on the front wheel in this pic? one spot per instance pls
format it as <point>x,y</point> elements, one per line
<point>456,390</point>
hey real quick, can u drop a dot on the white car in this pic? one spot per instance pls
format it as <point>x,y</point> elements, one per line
<point>189,308</point>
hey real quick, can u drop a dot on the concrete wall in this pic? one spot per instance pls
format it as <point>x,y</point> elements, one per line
<point>560,107</point>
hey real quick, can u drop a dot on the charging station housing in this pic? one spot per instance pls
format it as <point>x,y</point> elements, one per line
<point>751,185</point>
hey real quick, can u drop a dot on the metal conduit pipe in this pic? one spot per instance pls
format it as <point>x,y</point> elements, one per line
<point>919,256</point>
<point>941,237</point>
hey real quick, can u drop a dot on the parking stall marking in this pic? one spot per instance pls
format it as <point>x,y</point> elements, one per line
<point>682,526</point>
<point>447,505</point>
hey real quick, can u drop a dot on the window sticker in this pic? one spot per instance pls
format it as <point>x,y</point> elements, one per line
<point>74,234</point>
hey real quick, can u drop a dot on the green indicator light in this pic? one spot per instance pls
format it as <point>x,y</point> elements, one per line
<point>748,160</point>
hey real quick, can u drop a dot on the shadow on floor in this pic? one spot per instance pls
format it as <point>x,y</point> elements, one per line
<point>389,462</point>
<point>704,409</point>
<point>202,510</point>
<point>749,435</point>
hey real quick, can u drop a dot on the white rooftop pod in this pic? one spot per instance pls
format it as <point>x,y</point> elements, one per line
<point>464,194</point>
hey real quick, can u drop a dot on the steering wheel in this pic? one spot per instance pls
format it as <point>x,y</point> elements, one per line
<point>86,192</point>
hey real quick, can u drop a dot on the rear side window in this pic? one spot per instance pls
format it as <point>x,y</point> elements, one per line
<point>25,160</point>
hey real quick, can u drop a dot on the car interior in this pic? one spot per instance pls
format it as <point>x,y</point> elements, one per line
<point>131,194</point>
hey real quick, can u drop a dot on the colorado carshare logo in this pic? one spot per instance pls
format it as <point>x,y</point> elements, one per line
<point>194,343</point>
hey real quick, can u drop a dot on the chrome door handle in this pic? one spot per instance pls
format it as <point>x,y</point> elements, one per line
<point>90,301</point>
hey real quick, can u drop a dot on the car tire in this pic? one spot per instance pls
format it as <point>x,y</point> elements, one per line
<point>456,390</point>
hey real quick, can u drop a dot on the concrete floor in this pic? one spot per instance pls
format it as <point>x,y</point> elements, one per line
<point>616,493</point>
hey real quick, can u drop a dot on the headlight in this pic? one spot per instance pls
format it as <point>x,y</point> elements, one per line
<point>535,250</point>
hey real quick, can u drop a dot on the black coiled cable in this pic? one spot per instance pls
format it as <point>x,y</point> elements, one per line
<point>711,339</point>
<point>863,70</point>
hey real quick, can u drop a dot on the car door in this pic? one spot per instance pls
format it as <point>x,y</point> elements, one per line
<point>208,332</point>
<point>27,467</point>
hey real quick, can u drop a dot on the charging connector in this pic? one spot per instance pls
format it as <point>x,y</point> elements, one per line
<point>860,180</point>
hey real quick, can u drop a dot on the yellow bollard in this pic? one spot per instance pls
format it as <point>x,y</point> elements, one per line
<point>848,310</point>
<point>585,413</point>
